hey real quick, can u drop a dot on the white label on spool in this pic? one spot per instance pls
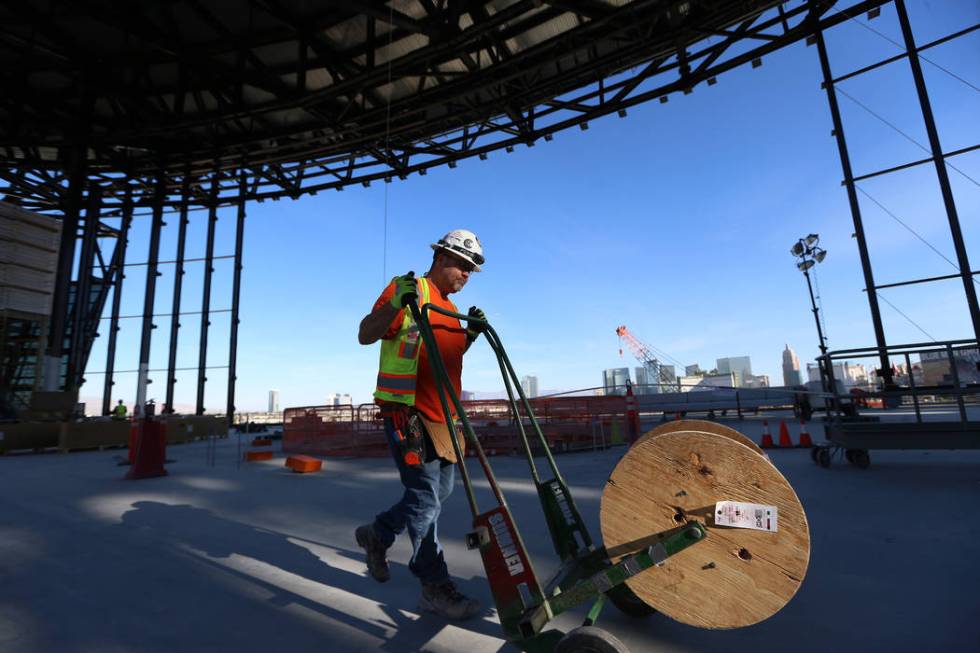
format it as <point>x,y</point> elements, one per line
<point>737,514</point>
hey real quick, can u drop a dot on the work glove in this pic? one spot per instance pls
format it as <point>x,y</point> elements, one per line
<point>474,328</point>
<point>405,289</point>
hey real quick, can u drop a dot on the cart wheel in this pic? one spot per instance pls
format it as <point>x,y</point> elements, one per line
<point>629,603</point>
<point>589,639</point>
<point>813,453</point>
<point>861,458</point>
<point>823,457</point>
<point>849,455</point>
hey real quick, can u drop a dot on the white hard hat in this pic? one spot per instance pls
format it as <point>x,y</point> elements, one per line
<point>463,244</point>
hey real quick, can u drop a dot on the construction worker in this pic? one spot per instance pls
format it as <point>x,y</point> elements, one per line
<point>415,425</point>
<point>119,412</point>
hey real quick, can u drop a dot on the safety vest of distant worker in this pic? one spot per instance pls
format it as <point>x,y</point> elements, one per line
<point>119,412</point>
<point>399,365</point>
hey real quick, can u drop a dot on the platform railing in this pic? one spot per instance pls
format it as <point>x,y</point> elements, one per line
<point>960,382</point>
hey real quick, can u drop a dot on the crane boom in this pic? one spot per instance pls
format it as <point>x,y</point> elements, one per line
<point>645,356</point>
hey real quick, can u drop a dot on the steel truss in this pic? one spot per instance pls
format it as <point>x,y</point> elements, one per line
<point>613,60</point>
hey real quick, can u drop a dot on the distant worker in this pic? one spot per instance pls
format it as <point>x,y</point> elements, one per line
<point>415,424</point>
<point>119,412</point>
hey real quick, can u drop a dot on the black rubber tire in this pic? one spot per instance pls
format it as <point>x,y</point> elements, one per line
<point>813,453</point>
<point>861,458</point>
<point>823,457</point>
<point>589,639</point>
<point>629,603</point>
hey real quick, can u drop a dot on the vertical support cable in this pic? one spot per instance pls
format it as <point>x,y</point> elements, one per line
<point>178,285</point>
<point>845,162</point>
<point>939,160</point>
<point>152,258</point>
<point>202,359</point>
<point>110,362</point>
<point>83,290</point>
<point>236,291</point>
<point>77,180</point>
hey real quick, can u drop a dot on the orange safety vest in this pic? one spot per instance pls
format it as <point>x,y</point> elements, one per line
<point>399,364</point>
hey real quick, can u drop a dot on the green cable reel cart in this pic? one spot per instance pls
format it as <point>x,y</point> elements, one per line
<point>668,545</point>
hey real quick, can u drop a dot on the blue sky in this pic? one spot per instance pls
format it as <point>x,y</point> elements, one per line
<point>675,221</point>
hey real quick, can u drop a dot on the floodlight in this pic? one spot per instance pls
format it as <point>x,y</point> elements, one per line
<point>797,249</point>
<point>812,240</point>
<point>820,255</point>
<point>806,265</point>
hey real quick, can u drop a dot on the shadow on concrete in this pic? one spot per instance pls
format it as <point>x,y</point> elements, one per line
<point>217,538</point>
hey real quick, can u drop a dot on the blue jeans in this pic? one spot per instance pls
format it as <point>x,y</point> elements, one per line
<point>426,488</point>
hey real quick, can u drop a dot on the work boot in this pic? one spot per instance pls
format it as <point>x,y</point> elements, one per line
<point>445,600</point>
<point>377,562</point>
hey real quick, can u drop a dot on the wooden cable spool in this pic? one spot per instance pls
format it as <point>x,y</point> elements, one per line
<point>705,426</point>
<point>732,578</point>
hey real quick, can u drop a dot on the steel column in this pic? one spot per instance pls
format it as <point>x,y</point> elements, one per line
<point>150,295</point>
<point>83,288</point>
<point>852,198</point>
<point>202,359</point>
<point>77,180</point>
<point>110,363</point>
<point>236,292</point>
<point>178,284</point>
<point>937,157</point>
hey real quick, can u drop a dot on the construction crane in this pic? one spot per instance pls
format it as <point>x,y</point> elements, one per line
<point>645,355</point>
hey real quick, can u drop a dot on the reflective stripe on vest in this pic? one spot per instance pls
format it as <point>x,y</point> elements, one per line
<point>398,367</point>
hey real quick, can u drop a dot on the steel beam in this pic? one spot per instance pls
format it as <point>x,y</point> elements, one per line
<point>236,292</point>
<point>77,181</point>
<point>121,246</point>
<point>178,286</point>
<point>83,289</point>
<point>845,161</point>
<point>202,359</point>
<point>937,156</point>
<point>150,294</point>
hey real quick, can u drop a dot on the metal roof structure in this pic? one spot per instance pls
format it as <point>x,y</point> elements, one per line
<point>110,108</point>
<point>300,97</point>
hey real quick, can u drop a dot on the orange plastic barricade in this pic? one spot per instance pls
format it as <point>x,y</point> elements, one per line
<point>304,464</point>
<point>258,455</point>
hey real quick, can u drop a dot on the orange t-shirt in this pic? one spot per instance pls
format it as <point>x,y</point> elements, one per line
<point>451,339</point>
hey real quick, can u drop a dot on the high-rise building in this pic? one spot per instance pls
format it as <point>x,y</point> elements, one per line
<point>614,380</point>
<point>337,399</point>
<point>693,370</point>
<point>273,401</point>
<point>643,381</point>
<point>740,366</point>
<point>791,368</point>
<point>529,384</point>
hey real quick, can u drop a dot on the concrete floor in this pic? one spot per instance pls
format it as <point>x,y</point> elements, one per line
<point>251,557</point>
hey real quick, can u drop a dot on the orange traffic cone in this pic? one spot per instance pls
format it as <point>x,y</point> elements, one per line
<point>784,439</point>
<point>805,440</point>
<point>766,442</point>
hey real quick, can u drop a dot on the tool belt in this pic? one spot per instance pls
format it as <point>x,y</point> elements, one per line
<point>410,432</point>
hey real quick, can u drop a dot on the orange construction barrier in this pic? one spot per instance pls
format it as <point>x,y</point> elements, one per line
<point>304,464</point>
<point>258,455</point>
<point>766,442</point>
<point>784,439</point>
<point>805,440</point>
<point>147,449</point>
